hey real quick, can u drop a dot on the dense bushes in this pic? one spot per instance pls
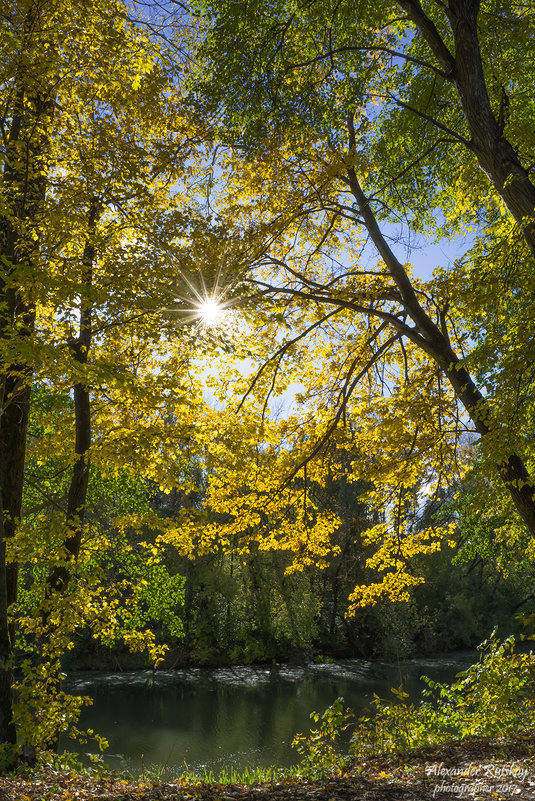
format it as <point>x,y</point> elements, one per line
<point>494,697</point>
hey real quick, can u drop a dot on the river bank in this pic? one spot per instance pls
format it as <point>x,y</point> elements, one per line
<point>474,768</point>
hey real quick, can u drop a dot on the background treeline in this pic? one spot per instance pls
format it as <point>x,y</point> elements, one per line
<point>232,608</point>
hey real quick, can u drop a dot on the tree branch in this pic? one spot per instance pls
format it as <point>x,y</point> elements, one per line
<point>431,35</point>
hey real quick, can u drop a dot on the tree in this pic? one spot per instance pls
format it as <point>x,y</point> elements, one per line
<point>94,230</point>
<point>352,124</point>
<point>27,114</point>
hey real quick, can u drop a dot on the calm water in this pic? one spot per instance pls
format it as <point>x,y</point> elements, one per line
<point>242,716</point>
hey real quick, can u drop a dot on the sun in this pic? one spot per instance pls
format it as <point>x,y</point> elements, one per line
<point>210,312</point>
<point>200,303</point>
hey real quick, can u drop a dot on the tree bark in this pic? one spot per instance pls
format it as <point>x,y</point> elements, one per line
<point>7,727</point>
<point>498,159</point>
<point>495,154</point>
<point>430,338</point>
<point>59,577</point>
<point>24,186</point>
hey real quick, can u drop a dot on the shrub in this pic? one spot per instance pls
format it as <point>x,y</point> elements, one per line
<point>493,697</point>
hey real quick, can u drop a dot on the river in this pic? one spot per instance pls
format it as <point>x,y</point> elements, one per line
<point>243,716</point>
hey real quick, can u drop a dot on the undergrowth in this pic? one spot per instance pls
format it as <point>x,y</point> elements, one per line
<point>493,697</point>
<point>69,762</point>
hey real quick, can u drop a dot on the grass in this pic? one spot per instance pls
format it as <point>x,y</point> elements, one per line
<point>72,762</point>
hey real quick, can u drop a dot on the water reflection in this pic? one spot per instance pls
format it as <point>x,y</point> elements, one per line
<point>240,716</point>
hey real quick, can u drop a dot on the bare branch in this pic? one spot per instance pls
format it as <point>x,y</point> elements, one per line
<point>346,396</point>
<point>432,120</point>
<point>280,353</point>
<point>367,49</point>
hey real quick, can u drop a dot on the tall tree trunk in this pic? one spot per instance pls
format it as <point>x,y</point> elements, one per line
<point>59,578</point>
<point>24,186</point>
<point>464,70</point>
<point>435,342</point>
<point>496,156</point>
<point>7,727</point>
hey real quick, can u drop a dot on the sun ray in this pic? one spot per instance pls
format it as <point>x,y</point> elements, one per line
<point>200,301</point>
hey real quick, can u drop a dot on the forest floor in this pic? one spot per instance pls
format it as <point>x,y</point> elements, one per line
<point>472,769</point>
